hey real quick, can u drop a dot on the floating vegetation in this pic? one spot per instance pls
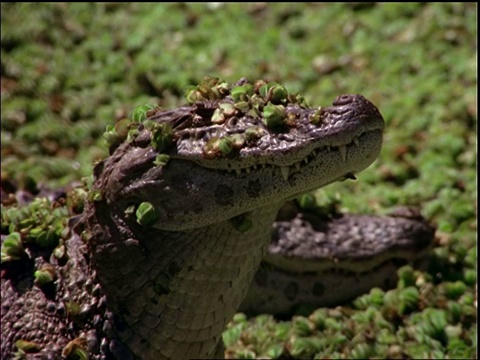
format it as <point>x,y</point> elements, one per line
<point>12,248</point>
<point>41,222</point>
<point>161,160</point>
<point>432,330</point>
<point>45,275</point>
<point>146,214</point>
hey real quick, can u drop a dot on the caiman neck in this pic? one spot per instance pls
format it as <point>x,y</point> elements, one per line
<point>174,297</point>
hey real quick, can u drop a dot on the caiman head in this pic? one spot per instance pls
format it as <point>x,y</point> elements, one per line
<point>237,148</point>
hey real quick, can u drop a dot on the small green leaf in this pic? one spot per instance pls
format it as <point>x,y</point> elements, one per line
<point>12,248</point>
<point>73,309</point>
<point>76,349</point>
<point>318,318</point>
<point>241,92</point>
<point>315,116</point>
<point>307,201</point>
<point>146,214</point>
<point>297,98</point>
<point>111,137</point>
<point>242,106</point>
<point>211,148</point>
<point>121,127</point>
<point>377,296</point>
<point>27,347</point>
<point>59,252</point>
<point>274,116</point>
<point>162,136</point>
<point>408,299</point>
<point>245,354</point>
<point>48,238</point>
<point>274,92</point>
<point>238,141</point>
<point>454,290</point>
<point>304,347</point>
<point>191,94</point>
<point>140,113</point>
<point>225,146</point>
<point>132,134</point>
<point>227,109</point>
<point>470,276</point>
<point>209,88</point>
<point>264,89</point>
<point>406,276</point>
<point>254,133</point>
<point>95,195</point>
<point>218,117</point>
<point>275,351</point>
<point>220,90</point>
<point>161,160</point>
<point>231,335</point>
<point>278,94</point>
<point>45,275</point>
<point>78,354</point>
<point>282,331</point>
<point>239,318</point>
<point>302,326</point>
<point>361,351</point>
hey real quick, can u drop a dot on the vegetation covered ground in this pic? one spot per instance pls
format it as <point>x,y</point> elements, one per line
<point>70,69</point>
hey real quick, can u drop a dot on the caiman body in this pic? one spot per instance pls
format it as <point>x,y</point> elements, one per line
<point>163,285</point>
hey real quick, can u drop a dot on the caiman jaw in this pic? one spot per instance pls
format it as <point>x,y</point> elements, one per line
<point>321,152</point>
<point>338,126</point>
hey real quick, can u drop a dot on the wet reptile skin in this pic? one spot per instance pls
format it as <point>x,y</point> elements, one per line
<point>345,256</point>
<point>166,291</point>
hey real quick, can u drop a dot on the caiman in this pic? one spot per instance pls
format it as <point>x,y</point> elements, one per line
<point>179,218</point>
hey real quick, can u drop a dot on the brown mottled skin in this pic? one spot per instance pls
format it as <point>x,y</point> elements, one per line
<point>167,290</point>
<point>337,263</point>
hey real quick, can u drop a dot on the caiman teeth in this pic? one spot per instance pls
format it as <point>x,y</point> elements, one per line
<point>343,152</point>
<point>285,170</point>
<point>296,167</point>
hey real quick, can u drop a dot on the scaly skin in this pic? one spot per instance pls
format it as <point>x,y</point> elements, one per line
<point>167,288</point>
<point>338,262</point>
